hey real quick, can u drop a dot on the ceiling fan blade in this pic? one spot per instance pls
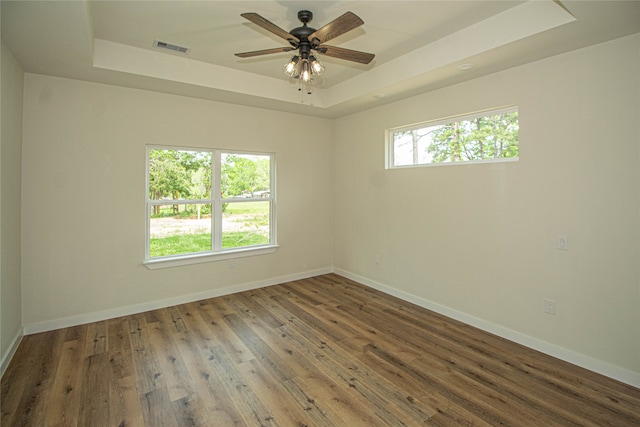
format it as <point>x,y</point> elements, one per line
<point>347,54</point>
<point>264,52</point>
<point>268,25</point>
<point>337,27</point>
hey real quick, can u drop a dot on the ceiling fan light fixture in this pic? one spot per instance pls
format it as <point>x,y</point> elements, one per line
<point>305,71</point>
<point>316,67</point>
<point>291,67</point>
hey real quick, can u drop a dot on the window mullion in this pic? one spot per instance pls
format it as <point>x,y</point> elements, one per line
<point>272,202</point>
<point>216,196</point>
<point>148,222</point>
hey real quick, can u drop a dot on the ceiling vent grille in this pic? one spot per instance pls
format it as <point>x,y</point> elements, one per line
<point>168,46</point>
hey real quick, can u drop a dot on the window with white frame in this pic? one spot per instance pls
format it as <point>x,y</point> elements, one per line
<point>486,136</point>
<point>208,202</point>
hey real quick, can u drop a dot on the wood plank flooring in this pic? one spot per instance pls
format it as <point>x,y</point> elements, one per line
<point>324,351</point>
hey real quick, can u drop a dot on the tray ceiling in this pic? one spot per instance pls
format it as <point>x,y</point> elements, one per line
<point>419,45</point>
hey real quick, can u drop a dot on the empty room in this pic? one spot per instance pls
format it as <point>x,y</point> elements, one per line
<point>320,213</point>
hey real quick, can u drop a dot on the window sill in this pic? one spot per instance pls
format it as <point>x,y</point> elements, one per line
<point>181,260</point>
<point>461,163</point>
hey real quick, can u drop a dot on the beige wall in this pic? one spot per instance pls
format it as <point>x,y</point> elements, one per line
<point>481,239</point>
<point>10,171</point>
<point>83,216</point>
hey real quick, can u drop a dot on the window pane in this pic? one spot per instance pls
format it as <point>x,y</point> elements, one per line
<point>245,175</point>
<point>179,174</point>
<point>480,138</point>
<point>245,224</point>
<point>179,229</point>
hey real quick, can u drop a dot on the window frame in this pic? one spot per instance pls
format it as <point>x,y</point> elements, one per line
<point>216,200</point>
<point>390,146</point>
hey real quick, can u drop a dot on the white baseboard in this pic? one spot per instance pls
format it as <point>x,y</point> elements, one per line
<point>6,358</point>
<point>34,328</point>
<point>624,375</point>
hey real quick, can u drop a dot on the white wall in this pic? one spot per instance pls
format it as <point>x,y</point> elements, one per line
<point>480,240</point>
<point>83,216</point>
<point>10,171</point>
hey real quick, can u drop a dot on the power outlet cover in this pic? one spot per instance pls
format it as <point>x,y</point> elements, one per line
<point>550,306</point>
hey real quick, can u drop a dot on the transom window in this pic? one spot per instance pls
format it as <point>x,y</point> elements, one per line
<point>204,202</point>
<point>487,136</point>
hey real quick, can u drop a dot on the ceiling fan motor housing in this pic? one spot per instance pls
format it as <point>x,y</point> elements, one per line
<point>304,45</point>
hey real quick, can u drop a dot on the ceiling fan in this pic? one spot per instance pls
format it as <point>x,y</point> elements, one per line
<point>306,39</point>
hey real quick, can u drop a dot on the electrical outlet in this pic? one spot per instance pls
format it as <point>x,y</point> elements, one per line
<point>376,259</point>
<point>231,263</point>
<point>550,306</point>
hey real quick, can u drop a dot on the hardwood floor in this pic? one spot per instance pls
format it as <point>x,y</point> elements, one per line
<point>324,351</point>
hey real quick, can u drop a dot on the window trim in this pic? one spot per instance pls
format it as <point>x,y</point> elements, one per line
<point>389,143</point>
<point>217,253</point>
<point>201,257</point>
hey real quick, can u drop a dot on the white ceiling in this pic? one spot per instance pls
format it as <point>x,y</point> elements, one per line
<point>418,45</point>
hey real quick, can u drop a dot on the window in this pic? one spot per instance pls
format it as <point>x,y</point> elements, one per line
<point>203,203</point>
<point>487,136</point>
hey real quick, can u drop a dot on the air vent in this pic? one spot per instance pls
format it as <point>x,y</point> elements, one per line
<point>168,46</point>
